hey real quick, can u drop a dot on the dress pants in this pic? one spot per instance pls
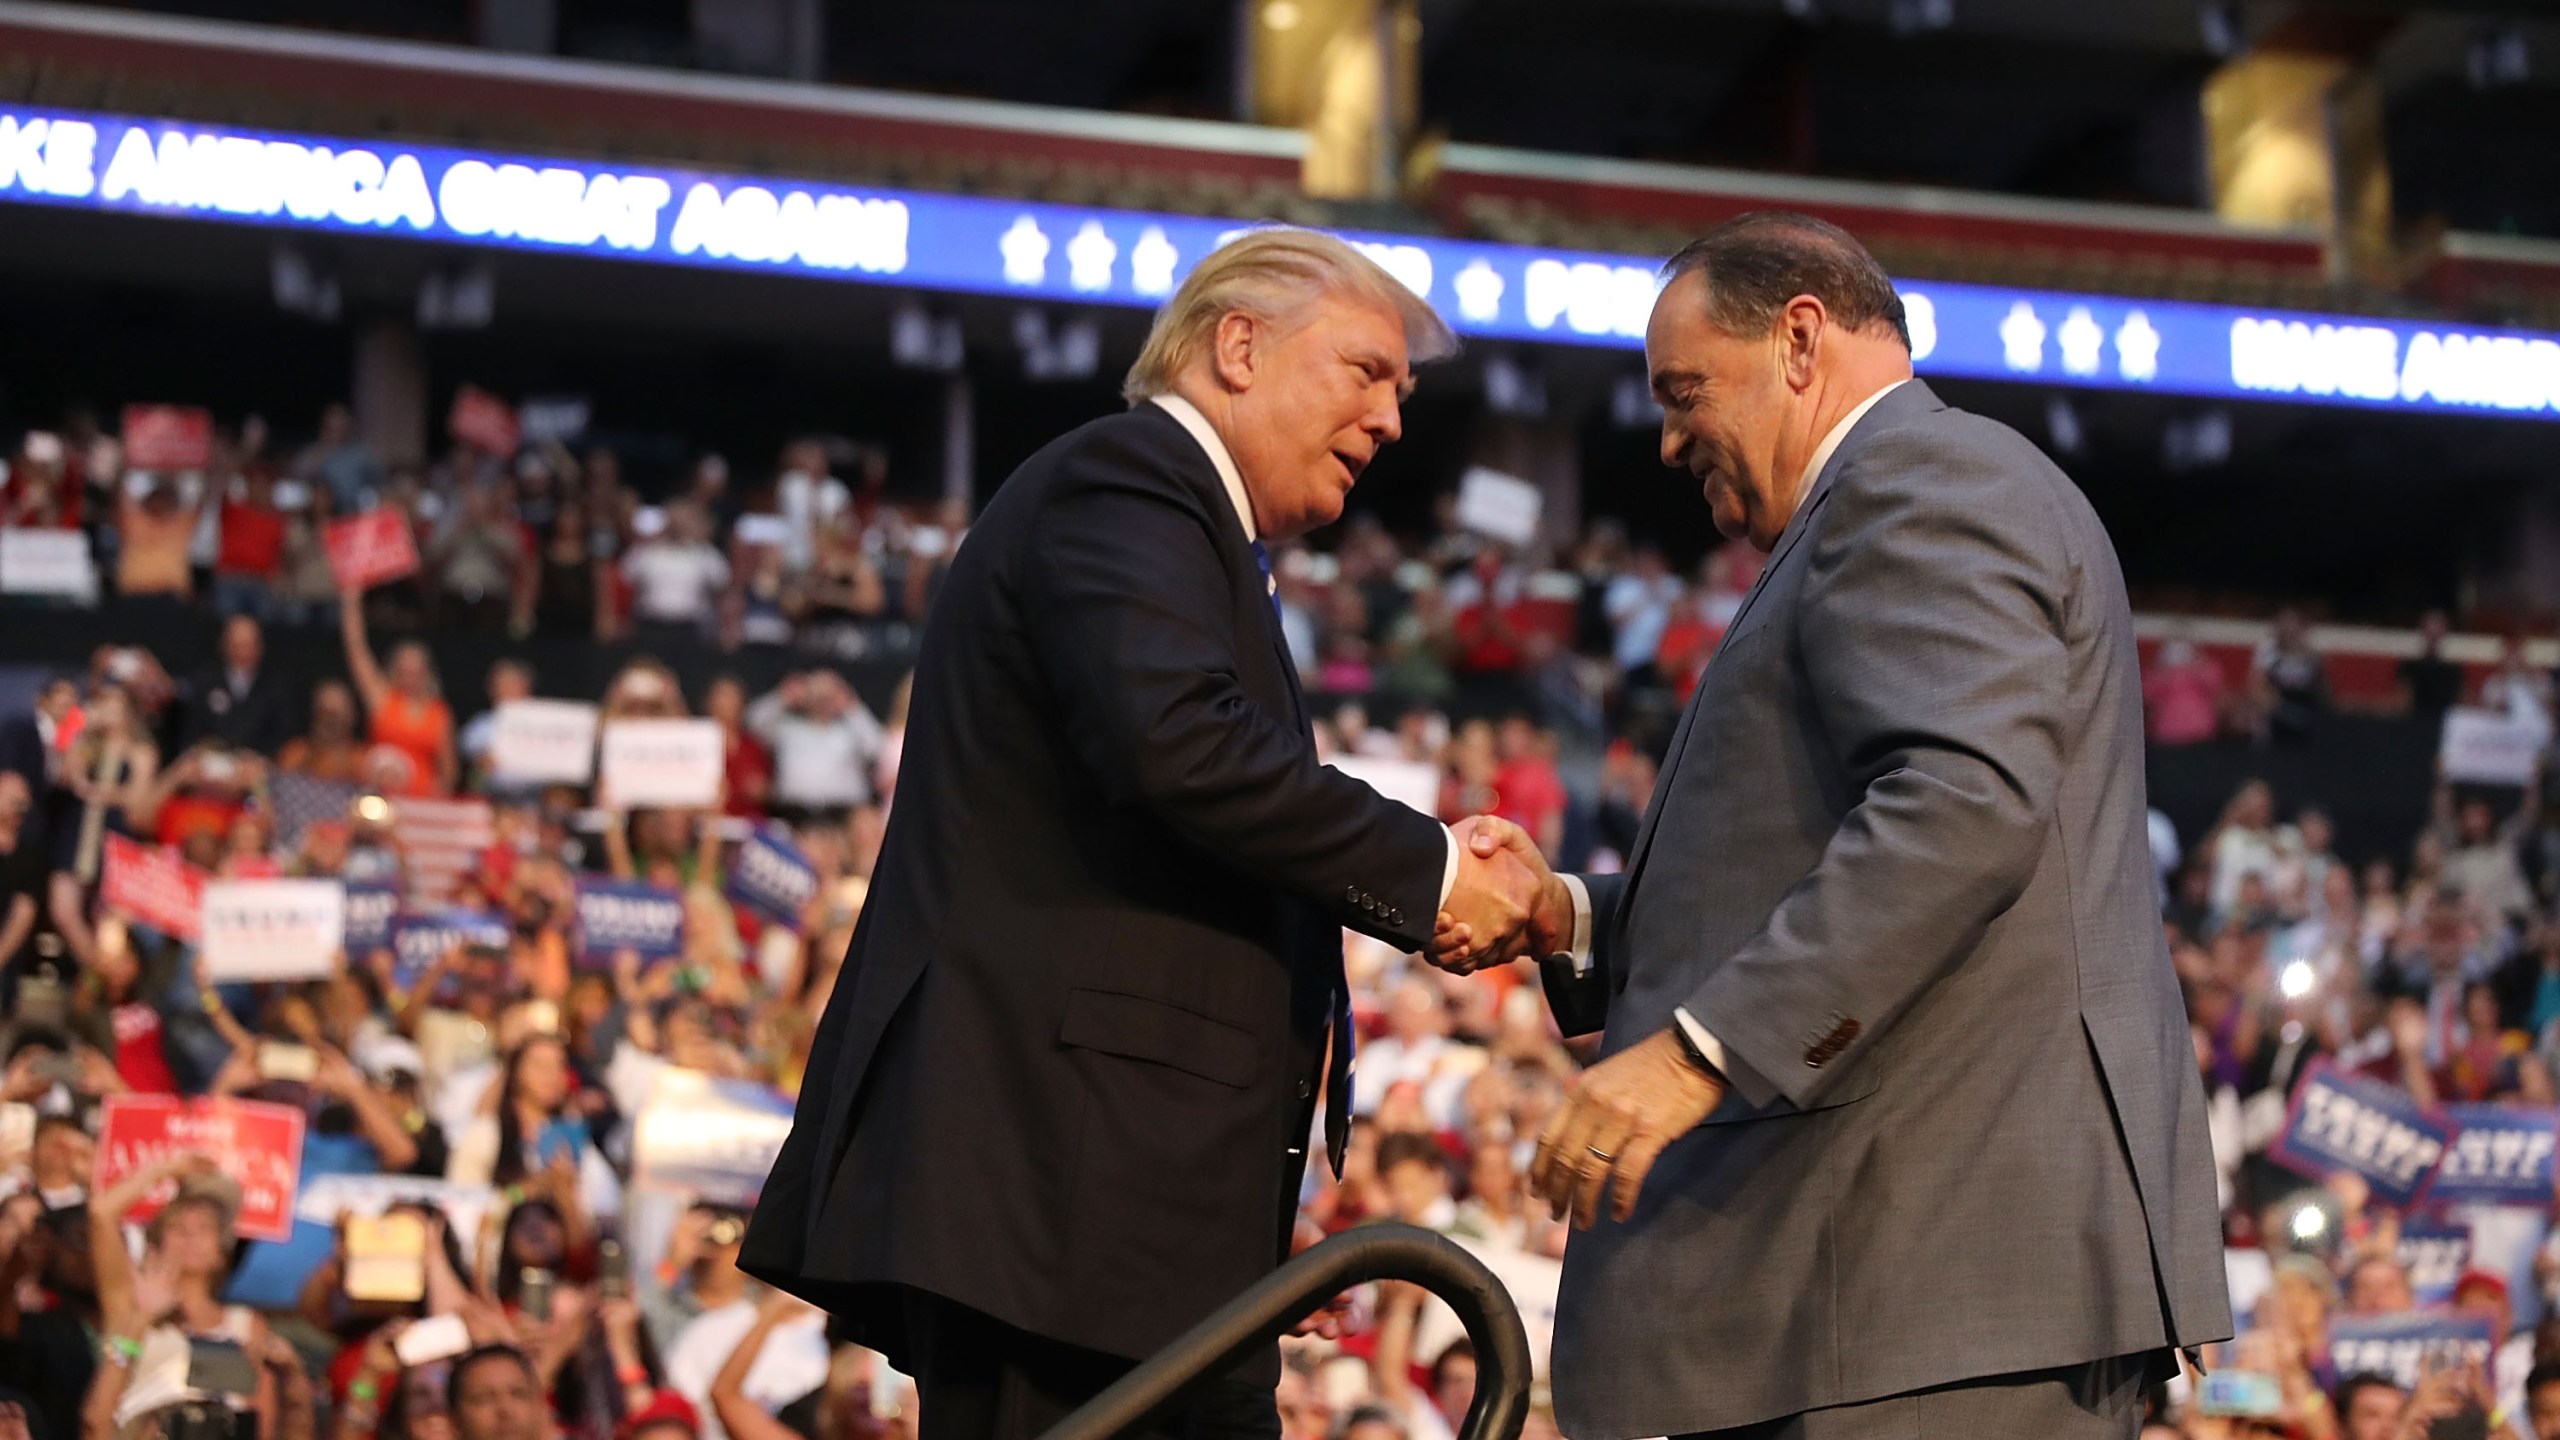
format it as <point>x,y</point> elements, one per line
<point>2101,1400</point>
<point>980,1379</point>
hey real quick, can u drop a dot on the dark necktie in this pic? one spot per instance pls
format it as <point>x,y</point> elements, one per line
<point>1337,1083</point>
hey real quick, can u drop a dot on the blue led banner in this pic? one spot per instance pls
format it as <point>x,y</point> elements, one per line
<point>1077,254</point>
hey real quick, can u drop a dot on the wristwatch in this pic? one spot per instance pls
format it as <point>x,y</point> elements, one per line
<point>1697,1057</point>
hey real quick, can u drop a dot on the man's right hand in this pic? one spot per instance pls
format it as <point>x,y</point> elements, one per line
<point>1507,903</point>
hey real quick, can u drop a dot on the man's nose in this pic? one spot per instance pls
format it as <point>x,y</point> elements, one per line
<point>1675,445</point>
<point>1386,421</point>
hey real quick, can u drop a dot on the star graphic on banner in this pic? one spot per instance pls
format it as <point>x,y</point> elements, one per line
<point>1479,288</point>
<point>1026,253</point>
<point>2081,340</point>
<point>1151,263</point>
<point>2022,337</point>
<point>1920,317</point>
<point>1089,257</point>
<point>2137,348</point>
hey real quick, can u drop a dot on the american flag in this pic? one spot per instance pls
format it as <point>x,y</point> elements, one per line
<point>441,841</point>
<point>300,801</point>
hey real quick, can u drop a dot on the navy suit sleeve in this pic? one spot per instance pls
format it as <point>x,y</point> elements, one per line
<point>1580,997</point>
<point>1931,630</point>
<point>1127,603</point>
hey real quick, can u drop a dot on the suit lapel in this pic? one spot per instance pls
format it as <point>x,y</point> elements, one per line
<point>1202,474</point>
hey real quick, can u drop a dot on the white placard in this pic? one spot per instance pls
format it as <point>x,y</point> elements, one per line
<point>542,742</point>
<point>1505,507</point>
<point>768,530</point>
<point>1408,782</point>
<point>2490,747</point>
<point>47,562</point>
<point>663,762</point>
<point>326,1197</point>
<point>273,929</point>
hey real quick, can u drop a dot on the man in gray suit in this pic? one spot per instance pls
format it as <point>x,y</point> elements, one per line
<point>1897,1130</point>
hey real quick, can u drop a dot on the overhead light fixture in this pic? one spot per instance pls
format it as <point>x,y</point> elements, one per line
<point>1282,15</point>
<point>2062,422</point>
<point>2219,23</point>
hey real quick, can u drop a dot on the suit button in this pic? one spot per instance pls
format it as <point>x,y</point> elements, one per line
<point>1306,1089</point>
<point>1395,916</point>
<point>1350,894</point>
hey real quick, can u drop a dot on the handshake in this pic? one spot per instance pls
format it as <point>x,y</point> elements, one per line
<point>1506,903</point>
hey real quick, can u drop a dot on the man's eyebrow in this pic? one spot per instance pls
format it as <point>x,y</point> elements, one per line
<point>1665,380</point>
<point>1377,362</point>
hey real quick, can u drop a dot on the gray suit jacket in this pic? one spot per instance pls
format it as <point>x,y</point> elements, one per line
<point>1897,863</point>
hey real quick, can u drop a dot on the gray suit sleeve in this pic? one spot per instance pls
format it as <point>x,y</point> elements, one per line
<point>1930,625</point>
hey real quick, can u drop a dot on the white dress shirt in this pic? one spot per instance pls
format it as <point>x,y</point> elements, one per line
<point>1210,441</point>
<point>1751,1086</point>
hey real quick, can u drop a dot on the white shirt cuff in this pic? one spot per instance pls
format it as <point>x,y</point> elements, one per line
<point>1580,949</point>
<point>1449,872</point>
<point>1700,1036</point>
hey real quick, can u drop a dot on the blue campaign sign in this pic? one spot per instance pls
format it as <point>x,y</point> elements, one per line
<point>2501,1157</point>
<point>2341,1122</point>
<point>617,915</point>
<point>370,910</point>
<point>419,936</point>
<point>772,878</point>
<point>2435,1256</point>
<point>1096,256</point>
<point>2404,1346</point>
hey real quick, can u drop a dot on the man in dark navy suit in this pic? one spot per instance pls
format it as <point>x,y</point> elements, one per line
<point>1059,1105</point>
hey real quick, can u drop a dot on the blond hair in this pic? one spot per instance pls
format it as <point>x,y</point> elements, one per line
<point>1270,273</point>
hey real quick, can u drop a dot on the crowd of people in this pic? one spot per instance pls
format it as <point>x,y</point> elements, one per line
<point>592,1288</point>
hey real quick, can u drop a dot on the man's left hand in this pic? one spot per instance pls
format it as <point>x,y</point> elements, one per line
<point>1614,1125</point>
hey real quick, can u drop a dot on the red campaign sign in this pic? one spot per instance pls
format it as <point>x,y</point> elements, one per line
<point>150,885</point>
<point>165,439</point>
<point>371,548</point>
<point>258,1146</point>
<point>485,421</point>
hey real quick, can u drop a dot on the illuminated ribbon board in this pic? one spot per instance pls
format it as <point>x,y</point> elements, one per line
<point>118,164</point>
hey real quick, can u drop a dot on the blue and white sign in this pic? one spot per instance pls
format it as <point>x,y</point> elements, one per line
<point>370,909</point>
<point>418,937</point>
<point>618,915</point>
<point>2403,1347</point>
<point>2346,1122</point>
<point>2435,1256</point>
<point>772,878</point>
<point>2502,1156</point>
<point>121,164</point>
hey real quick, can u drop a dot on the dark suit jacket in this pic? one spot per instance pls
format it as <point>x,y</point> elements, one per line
<point>261,720</point>
<point>1067,1076</point>
<point>1898,863</point>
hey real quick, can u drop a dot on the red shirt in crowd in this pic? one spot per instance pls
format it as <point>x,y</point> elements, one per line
<point>140,1061</point>
<point>252,541</point>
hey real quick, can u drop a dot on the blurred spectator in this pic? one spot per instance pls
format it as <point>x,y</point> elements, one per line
<point>2288,684</point>
<point>240,702</point>
<point>330,749</point>
<point>412,728</point>
<point>676,576</point>
<point>337,462</point>
<point>2182,695</point>
<point>747,772</point>
<point>2427,683</point>
<point>250,558</point>
<point>809,501</point>
<point>1638,602</point>
<point>479,558</point>
<point>155,524</point>
<point>566,589</point>
<point>2517,688</point>
<point>824,745</point>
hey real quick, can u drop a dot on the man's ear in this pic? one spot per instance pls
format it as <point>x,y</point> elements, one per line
<point>1800,326</point>
<point>1235,349</point>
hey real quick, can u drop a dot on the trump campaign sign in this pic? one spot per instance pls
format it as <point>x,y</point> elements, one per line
<point>2435,1256</point>
<point>617,915</point>
<point>370,910</point>
<point>2342,1122</point>
<point>150,885</point>
<point>542,742</point>
<point>258,1146</point>
<point>2403,1347</point>
<point>663,762</point>
<point>167,439</point>
<point>418,937</point>
<point>2501,1156</point>
<point>273,929</point>
<point>371,548</point>
<point>772,878</point>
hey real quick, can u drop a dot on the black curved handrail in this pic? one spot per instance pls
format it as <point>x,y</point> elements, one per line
<point>1259,1316</point>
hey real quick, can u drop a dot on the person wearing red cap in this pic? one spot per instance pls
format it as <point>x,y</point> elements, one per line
<point>2482,1293</point>
<point>667,1416</point>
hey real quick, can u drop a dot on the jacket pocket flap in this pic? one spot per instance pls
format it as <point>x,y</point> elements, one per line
<point>1143,1029</point>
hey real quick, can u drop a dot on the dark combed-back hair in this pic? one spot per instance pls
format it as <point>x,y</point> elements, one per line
<point>1754,264</point>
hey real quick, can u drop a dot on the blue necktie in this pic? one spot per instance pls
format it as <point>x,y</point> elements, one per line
<point>1262,559</point>
<point>1337,1084</point>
